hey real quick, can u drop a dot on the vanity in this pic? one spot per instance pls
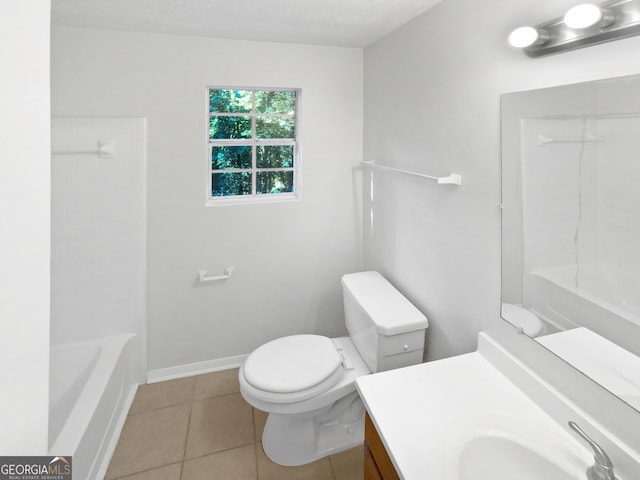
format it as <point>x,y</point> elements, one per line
<point>377,463</point>
<point>463,418</point>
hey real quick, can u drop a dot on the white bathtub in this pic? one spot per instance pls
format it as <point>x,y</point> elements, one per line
<point>91,388</point>
<point>606,300</point>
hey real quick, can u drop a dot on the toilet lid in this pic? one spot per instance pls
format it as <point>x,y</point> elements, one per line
<point>293,364</point>
<point>522,318</point>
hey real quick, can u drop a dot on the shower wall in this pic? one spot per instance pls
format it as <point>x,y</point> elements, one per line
<point>579,192</point>
<point>618,193</point>
<point>559,191</point>
<point>98,232</point>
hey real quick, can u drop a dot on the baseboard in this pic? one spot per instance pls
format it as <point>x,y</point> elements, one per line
<point>198,368</point>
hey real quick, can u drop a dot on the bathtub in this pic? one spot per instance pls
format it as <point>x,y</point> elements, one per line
<point>606,300</point>
<point>91,388</point>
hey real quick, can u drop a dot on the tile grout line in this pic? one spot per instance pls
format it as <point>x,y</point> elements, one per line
<point>255,441</point>
<point>218,451</point>
<point>333,470</point>
<point>217,396</point>
<point>146,471</point>
<point>186,437</point>
<point>181,403</point>
<point>156,409</point>
<point>255,453</point>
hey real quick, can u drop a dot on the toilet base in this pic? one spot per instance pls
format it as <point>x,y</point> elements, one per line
<point>293,440</point>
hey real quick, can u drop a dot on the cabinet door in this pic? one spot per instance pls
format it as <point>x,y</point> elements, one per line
<point>371,471</point>
<point>376,453</point>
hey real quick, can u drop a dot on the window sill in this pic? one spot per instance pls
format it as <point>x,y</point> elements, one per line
<point>251,200</point>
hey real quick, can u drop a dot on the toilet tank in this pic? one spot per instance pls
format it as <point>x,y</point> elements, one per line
<point>385,327</point>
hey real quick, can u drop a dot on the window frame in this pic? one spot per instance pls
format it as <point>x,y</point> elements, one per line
<point>254,142</point>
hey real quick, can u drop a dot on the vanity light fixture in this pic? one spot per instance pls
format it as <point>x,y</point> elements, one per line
<point>587,15</point>
<point>527,36</point>
<point>583,25</point>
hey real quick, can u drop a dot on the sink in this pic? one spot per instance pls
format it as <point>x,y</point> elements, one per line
<point>500,458</point>
<point>499,447</point>
<point>469,418</point>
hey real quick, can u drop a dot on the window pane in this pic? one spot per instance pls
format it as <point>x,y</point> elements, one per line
<point>229,127</point>
<point>274,182</point>
<point>276,102</point>
<point>227,184</point>
<point>230,157</point>
<point>230,101</point>
<point>274,156</point>
<point>278,127</point>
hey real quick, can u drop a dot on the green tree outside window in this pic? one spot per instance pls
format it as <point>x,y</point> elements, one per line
<point>252,142</point>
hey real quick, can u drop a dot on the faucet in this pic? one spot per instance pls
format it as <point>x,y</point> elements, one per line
<point>602,469</point>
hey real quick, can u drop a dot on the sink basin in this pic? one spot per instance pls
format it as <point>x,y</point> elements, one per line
<point>501,458</point>
<point>501,448</point>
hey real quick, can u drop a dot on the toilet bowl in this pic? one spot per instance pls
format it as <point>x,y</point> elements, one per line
<point>307,382</point>
<point>522,318</point>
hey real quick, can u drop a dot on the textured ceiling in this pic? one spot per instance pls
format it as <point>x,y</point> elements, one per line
<point>354,23</point>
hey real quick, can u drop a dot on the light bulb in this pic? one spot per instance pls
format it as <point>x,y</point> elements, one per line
<point>583,16</point>
<point>524,37</point>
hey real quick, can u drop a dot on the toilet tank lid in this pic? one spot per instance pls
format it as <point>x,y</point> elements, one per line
<point>391,312</point>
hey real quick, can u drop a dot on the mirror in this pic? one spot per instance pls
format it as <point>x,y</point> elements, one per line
<point>571,225</point>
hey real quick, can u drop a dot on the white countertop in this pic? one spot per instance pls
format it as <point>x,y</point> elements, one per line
<point>420,410</point>
<point>613,367</point>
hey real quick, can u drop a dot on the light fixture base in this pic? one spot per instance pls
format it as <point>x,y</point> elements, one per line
<point>622,19</point>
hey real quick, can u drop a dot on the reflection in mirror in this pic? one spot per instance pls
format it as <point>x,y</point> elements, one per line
<point>571,225</point>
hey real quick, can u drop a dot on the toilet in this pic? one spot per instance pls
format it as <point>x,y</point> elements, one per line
<point>306,383</point>
<point>522,318</point>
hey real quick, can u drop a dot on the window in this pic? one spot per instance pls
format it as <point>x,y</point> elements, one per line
<point>252,144</point>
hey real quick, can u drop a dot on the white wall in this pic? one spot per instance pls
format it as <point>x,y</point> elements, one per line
<point>24,212</point>
<point>432,104</point>
<point>288,257</point>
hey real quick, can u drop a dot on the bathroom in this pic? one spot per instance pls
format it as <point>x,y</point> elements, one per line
<point>439,245</point>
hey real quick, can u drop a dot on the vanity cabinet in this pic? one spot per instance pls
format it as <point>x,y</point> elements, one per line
<point>377,464</point>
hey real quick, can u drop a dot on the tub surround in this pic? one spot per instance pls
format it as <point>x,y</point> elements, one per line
<point>601,298</point>
<point>472,391</point>
<point>98,231</point>
<point>92,387</point>
<point>98,285</point>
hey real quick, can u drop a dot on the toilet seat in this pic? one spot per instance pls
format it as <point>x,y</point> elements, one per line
<point>292,369</point>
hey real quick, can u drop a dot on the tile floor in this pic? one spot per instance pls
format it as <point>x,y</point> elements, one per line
<point>201,428</point>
